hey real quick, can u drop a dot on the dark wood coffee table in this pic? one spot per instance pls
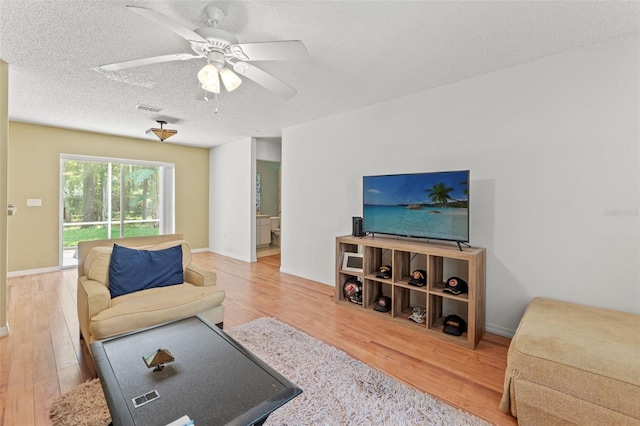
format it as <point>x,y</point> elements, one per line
<point>213,380</point>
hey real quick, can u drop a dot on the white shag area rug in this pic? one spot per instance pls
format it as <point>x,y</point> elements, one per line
<point>337,389</point>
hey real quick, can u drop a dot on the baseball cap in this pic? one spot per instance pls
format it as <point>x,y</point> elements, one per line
<point>455,325</point>
<point>456,285</point>
<point>384,272</point>
<point>418,277</point>
<point>383,304</point>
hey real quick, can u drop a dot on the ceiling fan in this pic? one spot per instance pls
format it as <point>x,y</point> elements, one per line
<point>222,52</point>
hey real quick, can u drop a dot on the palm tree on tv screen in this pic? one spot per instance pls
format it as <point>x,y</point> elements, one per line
<point>439,193</point>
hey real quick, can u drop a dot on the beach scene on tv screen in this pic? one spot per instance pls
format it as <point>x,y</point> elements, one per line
<point>429,205</point>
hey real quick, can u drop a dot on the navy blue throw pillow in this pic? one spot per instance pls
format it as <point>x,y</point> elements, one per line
<point>134,270</point>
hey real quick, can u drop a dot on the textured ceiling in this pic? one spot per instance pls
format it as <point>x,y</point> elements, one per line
<point>361,53</point>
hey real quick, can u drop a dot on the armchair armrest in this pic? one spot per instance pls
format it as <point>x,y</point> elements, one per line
<point>197,275</point>
<point>93,298</point>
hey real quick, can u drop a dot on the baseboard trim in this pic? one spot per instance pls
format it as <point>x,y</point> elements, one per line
<point>4,331</point>
<point>305,276</point>
<point>500,331</point>
<point>200,250</point>
<point>14,274</point>
<point>229,254</point>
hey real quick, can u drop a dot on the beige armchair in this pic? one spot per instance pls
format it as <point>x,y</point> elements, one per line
<point>100,316</point>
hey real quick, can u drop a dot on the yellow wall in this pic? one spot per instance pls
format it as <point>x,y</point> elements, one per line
<point>34,172</point>
<point>4,125</point>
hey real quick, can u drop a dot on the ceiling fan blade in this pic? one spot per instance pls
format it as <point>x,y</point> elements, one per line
<point>148,61</point>
<point>168,23</point>
<point>287,50</point>
<point>265,80</point>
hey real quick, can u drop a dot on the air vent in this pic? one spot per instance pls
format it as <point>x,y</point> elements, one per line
<point>148,108</point>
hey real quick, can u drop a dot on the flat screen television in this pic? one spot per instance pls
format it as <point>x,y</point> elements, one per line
<point>431,205</point>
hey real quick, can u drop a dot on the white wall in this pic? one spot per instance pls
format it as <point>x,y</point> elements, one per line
<point>232,199</point>
<point>268,150</point>
<point>553,149</point>
<point>232,195</point>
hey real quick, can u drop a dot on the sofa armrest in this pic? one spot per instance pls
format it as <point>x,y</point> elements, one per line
<point>93,298</point>
<point>197,275</point>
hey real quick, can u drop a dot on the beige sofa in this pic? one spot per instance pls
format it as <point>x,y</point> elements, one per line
<point>570,364</point>
<point>100,316</point>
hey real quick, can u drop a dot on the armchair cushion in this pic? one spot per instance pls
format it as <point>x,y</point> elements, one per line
<point>154,306</point>
<point>132,270</point>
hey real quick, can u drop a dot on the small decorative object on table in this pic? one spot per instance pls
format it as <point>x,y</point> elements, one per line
<point>182,421</point>
<point>158,359</point>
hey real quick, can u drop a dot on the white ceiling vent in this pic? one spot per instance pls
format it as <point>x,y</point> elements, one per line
<point>148,108</point>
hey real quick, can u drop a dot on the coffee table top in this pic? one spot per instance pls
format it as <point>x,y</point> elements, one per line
<point>213,380</point>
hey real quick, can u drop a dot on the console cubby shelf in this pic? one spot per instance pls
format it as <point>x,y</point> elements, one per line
<point>439,260</point>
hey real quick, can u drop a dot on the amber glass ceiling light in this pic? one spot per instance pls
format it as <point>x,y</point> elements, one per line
<point>162,133</point>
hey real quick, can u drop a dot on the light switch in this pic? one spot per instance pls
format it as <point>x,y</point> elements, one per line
<point>34,202</point>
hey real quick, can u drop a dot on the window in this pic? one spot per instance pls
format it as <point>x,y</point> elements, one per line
<point>104,198</point>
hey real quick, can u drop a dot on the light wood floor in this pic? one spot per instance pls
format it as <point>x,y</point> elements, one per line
<point>41,358</point>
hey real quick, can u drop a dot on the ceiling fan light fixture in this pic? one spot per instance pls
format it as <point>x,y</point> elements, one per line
<point>161,133</point>
<point>230,80</point>
<point>209,78</point>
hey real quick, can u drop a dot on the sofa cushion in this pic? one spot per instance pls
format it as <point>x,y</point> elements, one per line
<point>146,308</point>
<point>132,270</point>
<point>96,264</point>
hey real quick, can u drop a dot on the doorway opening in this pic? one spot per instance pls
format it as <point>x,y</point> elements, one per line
<point>268,229</point>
